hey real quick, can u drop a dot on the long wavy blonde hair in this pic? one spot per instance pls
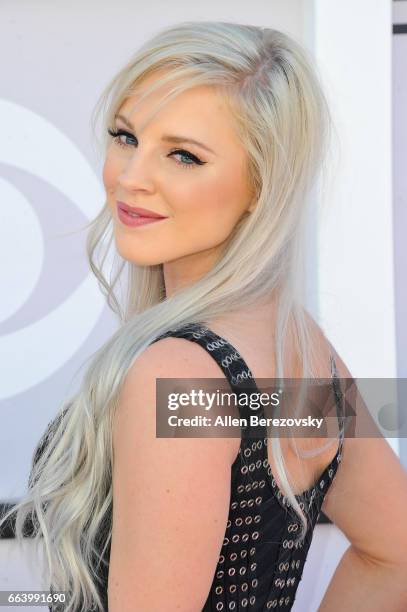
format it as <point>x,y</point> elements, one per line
<point>283,122</point>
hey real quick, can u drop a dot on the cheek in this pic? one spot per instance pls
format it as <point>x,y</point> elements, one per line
<point>217,201</point>
<point>110,174</point>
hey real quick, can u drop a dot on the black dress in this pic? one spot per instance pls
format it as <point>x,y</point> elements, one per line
<point>260,565</point>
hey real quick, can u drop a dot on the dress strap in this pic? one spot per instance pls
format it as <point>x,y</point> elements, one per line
<point>339,401</point>
<point>232,364</point>
<point>226,356</point>
<point>238,373</point>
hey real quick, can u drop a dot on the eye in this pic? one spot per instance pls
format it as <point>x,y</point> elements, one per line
<point>193,160</point>
<point>117,134</point>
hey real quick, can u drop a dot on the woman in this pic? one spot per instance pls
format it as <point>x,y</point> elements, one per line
<point>216,131</point>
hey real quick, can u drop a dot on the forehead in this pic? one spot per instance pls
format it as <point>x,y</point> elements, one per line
<point>199,111</point>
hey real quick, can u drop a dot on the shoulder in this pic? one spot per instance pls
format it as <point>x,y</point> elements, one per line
<point>137,408</point>
<point>168,493</point>
<point>324,351</point>
<point>176,357</point>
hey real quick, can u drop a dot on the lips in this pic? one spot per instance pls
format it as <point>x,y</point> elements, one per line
<point>142,212</point>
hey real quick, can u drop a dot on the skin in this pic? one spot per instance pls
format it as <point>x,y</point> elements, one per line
<point>202,203</point>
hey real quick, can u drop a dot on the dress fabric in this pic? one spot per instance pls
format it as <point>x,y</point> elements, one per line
<point>260,565</point>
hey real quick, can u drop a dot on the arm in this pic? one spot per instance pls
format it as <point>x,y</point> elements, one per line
<point>170,496</point>
<point>367,501</point>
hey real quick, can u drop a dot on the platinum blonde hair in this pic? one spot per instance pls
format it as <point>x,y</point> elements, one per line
<point>283,122</point>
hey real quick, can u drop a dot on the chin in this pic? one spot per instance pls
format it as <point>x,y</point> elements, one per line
<point>140,261</point>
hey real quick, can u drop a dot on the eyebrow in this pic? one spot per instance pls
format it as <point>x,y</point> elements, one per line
<point>169,137</point>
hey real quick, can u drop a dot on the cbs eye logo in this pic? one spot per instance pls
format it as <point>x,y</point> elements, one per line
<point>50,301</point>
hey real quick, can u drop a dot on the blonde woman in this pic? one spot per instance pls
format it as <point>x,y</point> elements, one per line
<point>215,134</point>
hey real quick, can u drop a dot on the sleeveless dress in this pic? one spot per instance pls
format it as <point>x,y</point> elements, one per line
<point>260,565</point>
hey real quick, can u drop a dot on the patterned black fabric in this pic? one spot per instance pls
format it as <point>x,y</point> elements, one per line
<point>260,565</point>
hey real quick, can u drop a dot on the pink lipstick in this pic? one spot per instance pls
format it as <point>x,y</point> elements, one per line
<point>135,216</point>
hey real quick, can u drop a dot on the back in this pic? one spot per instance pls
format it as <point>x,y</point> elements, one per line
<point>259,565</point>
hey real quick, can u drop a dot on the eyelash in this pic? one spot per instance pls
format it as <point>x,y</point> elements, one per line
<point>116,137</point>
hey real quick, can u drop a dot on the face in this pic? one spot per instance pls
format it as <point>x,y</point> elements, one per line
<point>201,188</point>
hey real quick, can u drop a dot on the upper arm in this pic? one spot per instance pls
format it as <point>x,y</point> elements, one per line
<point>367,499</point>
<point>170,495</point>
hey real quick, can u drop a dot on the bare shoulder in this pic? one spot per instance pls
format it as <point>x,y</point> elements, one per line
<point>168,493</point>
<point>170,358</point>
<point>176,356</point>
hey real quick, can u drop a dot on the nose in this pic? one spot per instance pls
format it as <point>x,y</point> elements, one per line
<point>136,173</point>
